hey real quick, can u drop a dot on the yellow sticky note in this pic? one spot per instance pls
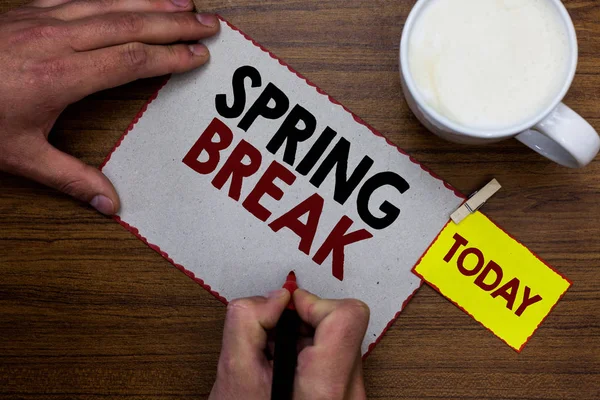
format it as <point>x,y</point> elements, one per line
<point>492,277</point>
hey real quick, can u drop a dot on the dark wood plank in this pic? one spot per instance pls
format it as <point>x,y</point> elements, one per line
<point>87,311</point>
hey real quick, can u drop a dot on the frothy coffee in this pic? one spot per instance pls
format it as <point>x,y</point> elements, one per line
<point>489,64</point>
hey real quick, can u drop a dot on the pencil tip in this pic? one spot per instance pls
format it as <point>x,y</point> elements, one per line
<point>291,277</point>
<point>290,283</point>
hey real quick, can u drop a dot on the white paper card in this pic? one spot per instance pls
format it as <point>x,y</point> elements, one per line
<point>309,187</point>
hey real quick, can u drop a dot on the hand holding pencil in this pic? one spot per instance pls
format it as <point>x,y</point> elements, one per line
<point>329,363</point>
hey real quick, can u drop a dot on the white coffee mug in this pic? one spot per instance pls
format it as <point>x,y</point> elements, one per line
<point>556,132</point>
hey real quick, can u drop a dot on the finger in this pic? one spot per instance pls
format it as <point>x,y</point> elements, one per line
<point>356,389</point>
<point>113,66</point>
<point>322,375</point>
<point>340,327</point>
<point>313,310</point>
<point>48,3</point>
<point>151,28</point>
<point>248,320</point>
<point>78,9</point>
<point>51,167</point>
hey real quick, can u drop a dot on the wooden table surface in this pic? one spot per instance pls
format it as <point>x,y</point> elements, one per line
<point>87,311</point>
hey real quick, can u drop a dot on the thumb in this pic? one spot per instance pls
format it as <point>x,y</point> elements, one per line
<point>66,173</point>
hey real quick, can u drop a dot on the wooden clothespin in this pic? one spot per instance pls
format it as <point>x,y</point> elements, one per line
<point>475,202</point>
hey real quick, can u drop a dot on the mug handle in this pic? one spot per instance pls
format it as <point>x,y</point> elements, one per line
<point>564,137</point>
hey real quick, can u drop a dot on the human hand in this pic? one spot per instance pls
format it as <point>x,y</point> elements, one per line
<point>330,368</point>
<point>55,52</point>
<point>244,372</point>
<point>329,360</point>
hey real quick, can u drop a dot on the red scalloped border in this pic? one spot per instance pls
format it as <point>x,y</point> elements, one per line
<point>180,267</point>
<point>133,122</point>
<point>201,282</point>
<point>471,315</point>
<point>133,229</point>
<point>392,321</point>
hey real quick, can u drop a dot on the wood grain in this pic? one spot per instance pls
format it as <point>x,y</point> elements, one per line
<point>87,311</point>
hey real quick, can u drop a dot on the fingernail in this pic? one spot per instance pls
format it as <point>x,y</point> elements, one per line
<point>103,204</point>
<point>181,3</point>
<point>198,49</point>
<point>275,294</point>
<point>207,20</point>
